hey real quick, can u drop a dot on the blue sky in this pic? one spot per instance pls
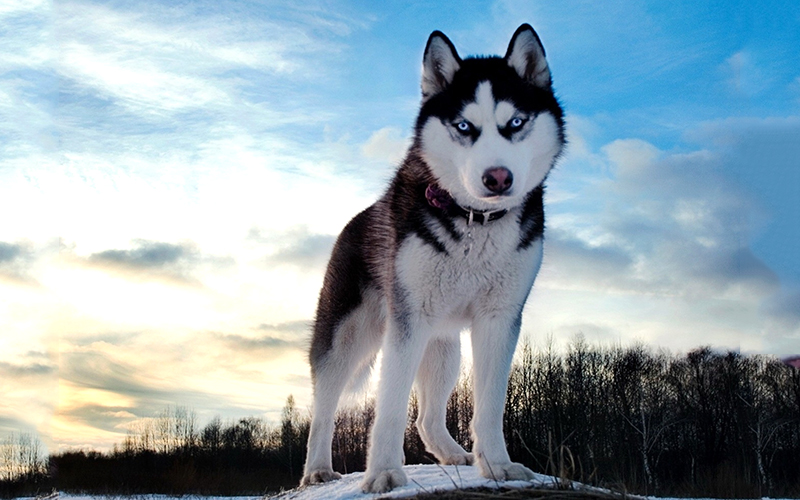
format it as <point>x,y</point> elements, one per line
<point>174,174</point>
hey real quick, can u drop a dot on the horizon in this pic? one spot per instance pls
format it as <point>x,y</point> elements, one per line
<point>174,177</point>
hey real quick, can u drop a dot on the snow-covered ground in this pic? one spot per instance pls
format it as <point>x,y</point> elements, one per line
<point>70,496</point>
<point>421,479</point>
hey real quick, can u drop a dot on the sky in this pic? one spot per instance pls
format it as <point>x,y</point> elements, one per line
<point>173,176</point>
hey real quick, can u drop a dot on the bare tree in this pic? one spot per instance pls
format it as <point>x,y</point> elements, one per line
<point>21,455</point>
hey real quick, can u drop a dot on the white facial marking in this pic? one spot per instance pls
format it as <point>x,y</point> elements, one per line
<point>459,163</point>
<point>504,112</point>
<point>481,111</point>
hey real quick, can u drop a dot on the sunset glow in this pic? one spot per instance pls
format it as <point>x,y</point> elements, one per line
<point>173,178</point>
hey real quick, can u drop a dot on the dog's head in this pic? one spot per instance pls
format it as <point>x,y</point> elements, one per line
<point>489,128</point>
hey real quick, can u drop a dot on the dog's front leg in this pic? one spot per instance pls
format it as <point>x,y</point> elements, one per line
<point>403,347</point>
<point>494,338</point>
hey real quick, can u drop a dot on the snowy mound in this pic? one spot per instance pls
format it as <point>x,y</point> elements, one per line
<point>421,479</point>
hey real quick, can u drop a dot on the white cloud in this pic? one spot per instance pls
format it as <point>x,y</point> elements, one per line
<point>631,158</point>
<point>10,7</point>
<point>136,83</point>
<point>744,77</point>
<point>166,60</point>
<point>684,226</point>
<point>144,144</point>
<point>656,248</point>
<point>388,145</point>
<point>309,252</point>
<point>26,121</point>
<point>179,125</point>
<point>26,34</point>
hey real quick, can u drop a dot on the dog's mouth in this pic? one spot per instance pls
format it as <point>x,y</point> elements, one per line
<point>497,197</point>
<point>442,199</point>
<point>481,198</point>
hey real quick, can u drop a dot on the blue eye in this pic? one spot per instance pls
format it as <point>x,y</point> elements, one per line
<point>464,127</point>
<point>516,123</point>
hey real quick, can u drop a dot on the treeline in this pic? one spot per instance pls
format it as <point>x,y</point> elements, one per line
<point>704,424</point>
<point>170,454</point>
<point>23,466</point>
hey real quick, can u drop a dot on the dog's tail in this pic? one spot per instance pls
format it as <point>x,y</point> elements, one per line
<point>360,379</point>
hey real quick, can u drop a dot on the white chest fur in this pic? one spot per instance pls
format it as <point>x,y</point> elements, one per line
<point>494,274</point>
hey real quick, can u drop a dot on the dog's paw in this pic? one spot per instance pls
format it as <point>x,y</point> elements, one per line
<point>319,476</point>
<point>510,471</point>
<point>458,459</point>
<point>383,480</point>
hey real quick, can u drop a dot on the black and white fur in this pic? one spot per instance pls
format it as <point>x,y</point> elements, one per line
<point>407,275</point>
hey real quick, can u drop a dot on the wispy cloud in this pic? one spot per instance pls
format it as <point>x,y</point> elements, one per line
<point>26,38</point>
<point>156,260</point>
<point>17,261</point>
<point>223,146</point>
<point>147,255</point>
<point>164,60</point>
<point>18,371</point>
<point>744,76</point>
<point>387,144</point>
<point>107,384</point>
<point>292,327</point>
<point>27,381</point>
<point>27,83</point>
<point>265,347</point>
<point>297,246</point>
<point>783,328</point>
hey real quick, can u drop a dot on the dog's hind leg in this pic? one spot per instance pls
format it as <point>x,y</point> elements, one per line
<point>355,343</point>
<point>329,382</point>
<point>436,377</point>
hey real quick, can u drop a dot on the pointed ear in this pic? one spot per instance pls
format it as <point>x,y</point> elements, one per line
<point>526,55</point>
<point>439,64</point>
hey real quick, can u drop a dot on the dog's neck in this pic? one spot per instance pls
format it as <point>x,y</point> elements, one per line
<point>441,199</point>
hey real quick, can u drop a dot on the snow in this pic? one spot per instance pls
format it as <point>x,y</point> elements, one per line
<point>421,479</point>
<point>71,496</point>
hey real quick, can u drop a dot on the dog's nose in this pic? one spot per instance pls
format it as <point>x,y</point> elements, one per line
<point>498,179</point>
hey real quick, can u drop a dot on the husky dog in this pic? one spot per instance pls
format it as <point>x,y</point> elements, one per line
<point>454,243</point>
